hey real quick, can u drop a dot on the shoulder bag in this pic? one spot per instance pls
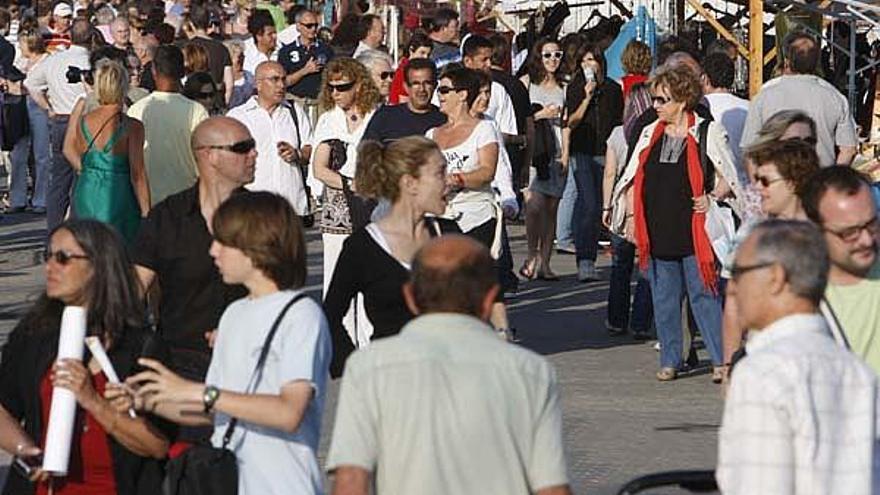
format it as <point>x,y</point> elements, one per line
<point>208,470</point>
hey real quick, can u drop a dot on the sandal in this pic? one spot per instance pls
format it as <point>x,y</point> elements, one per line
<point>528,270</point>
<point>718,374</point>
<point>548,276</point>
<point>666,374</point>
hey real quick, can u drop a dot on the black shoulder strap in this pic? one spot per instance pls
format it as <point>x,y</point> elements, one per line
<point>708,167</point>
<point>834,326</point>
<point>258,370</point>
<point>295,124</point>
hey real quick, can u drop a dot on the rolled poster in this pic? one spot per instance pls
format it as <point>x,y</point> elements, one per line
<point>62,414</point>
<point>100,355</point>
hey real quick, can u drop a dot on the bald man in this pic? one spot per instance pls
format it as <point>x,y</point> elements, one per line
<point>282,131</point>
<point>446,406</point>
<point>172,246</point>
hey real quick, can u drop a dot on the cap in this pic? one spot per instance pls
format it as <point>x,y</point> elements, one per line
<point>62,10</point>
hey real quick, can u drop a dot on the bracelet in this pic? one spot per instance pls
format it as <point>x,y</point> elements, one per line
<point>607,208</point>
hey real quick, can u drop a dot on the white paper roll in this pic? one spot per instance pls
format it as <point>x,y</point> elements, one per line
<point>62,414</point>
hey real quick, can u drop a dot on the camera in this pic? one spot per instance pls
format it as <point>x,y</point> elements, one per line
<point>75,74</point>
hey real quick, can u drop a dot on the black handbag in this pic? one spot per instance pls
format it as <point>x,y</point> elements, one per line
<point>208,470</point>
<point>15,120</point>
<point>360,209</point>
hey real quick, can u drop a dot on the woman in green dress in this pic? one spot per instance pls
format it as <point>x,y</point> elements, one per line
<point>106,148</point>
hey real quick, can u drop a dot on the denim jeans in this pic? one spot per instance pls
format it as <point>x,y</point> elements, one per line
<point>39,138</point>
<point>670,279</point>
<point>61,176</point>
<point>619,290</point>
<point>580,209</point>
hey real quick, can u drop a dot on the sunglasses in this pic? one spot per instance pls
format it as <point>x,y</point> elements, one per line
<point>240,148</point>
<point>310,25</point>
<point>765,182</point>
<point>807,139</point>
<point>660,100</point>
<point>445,90</point>
<point>342,88</point>
<point>387,74</point>
<point>62,257</point>
<point>556,55</point>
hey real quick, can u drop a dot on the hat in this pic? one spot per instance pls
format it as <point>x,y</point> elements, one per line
<point>62,10</point>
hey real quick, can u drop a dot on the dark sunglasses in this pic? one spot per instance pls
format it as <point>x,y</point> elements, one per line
<point>445,90</point>
<point>309,25</point>
<point>807,139</point>
<point>557,55</point>
<point>765,182</point>
<point>660,100</point>
<point>62,257</point>
<point>241,147</point>
<point>342,88</point>
<point>387,74</point>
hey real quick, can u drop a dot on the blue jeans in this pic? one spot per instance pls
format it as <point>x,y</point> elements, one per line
<point>580,209</point>
<point>38,140</point>
<point>61,176</point>
<point>670,279</point>
<point>619,290</point>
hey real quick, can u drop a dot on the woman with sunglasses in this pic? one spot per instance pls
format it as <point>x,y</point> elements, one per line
<point>348,99</point>
<point>548,182</point>
<point>379,65</point>
<point>672,188</point>
<point>594,104</point>
<point>112,452</point>
<point>106,148</point>
<point>200,87</point>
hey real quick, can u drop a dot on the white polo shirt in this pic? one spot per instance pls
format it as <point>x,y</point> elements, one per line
<point>272,173</point>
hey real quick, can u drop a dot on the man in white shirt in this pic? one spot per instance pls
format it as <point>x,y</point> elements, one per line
<point>446,406</point>
<point>282,142</point>
<point>801,412</point>
<point>727,109</point>
<point>262,45</point>
<point>51,89</point>
<point>372,34</point>
<point>799,88</point>
<point>477,55</point>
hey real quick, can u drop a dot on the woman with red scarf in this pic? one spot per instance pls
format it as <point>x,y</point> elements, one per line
<point>671,185</point>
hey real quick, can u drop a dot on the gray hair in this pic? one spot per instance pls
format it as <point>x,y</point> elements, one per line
<point>118,21</point>
<point>370,57</point>
<point>800,249</point>
<point>778,123</point>
<point>104,15</point>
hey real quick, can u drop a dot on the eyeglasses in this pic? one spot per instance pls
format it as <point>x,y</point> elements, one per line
<point>811,140</point>
<point>852,234</point>
<point>445,90</point>
<point>386,74</point>
<point>765,182</point>
<point>272,79</point>
<point>62,257</point>
<point>556,55</point>
<point>240,148</point>
<point>738,270</point>
<point>660,100</point>
<point>342,88</point>
<point>309,25</point>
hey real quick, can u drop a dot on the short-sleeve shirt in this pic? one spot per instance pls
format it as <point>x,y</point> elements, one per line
<point>813,96</point>
<point>857,308</point>
<point>392,122</point>
<point>446,407</point>
<point>272,462</point>
<point>470,207</point>
<point>294,56</point>
<point>173,242</point>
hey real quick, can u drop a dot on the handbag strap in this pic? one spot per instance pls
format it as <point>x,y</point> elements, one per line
<point>258,370</point>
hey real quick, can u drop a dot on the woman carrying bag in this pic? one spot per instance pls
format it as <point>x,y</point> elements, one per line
<point>265,387</point>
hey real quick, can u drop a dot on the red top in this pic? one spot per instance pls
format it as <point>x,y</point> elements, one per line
<point>397,84</point>
<point>90,471</point>
<point>631,80</point>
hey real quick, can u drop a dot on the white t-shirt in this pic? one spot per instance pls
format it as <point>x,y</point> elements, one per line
<point>332,125</point>
<point>271,461</point>
<point>730,111</point>
<point>470,207</point>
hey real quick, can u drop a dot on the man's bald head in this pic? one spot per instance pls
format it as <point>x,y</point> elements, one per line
<point>452,274</point>
<point>218,163</point>
<point>267,68</point>
<point>217,131</point>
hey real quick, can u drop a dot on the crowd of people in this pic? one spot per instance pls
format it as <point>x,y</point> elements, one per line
<point>180,150</point>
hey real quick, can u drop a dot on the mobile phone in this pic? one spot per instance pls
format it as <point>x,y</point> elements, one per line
<point>589,74</point>
<point>27,465</point>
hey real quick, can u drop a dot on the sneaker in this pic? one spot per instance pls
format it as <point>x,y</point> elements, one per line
<point>587,271</point>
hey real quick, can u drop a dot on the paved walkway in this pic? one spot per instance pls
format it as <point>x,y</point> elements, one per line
<point>619,421</point>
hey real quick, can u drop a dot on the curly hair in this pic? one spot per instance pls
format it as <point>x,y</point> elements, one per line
<point>682,84</point>
<point>636,58</point>
<point>367,97</point>
<point>795,160</point>
<point>380,167</point>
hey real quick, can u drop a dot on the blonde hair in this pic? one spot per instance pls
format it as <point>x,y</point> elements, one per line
<point>111,82</point>
<point>195,58</point>
<point>380,168</point>
<point>367,97</point>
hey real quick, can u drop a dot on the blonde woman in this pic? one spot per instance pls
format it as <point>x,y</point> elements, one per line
<point>106,150</point>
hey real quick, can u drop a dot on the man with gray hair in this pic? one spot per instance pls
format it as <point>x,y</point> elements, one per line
<point>801,412</point>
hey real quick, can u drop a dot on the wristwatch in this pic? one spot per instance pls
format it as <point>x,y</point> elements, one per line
<point>209,397</point>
